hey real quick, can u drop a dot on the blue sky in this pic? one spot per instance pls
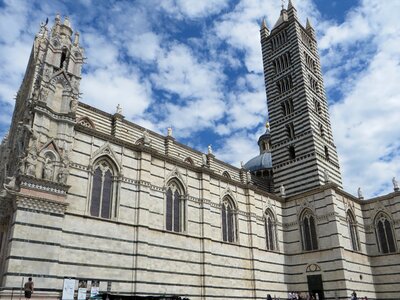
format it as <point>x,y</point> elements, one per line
<point>196,66</point>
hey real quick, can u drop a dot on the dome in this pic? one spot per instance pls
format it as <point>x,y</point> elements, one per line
<point>260,162</point>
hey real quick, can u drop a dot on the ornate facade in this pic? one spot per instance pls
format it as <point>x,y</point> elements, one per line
<point>91,196</point>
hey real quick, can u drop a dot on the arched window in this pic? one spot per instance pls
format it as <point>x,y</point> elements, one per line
<point>270,230</point>
<point>103,189</point>
<point>384,234</point>
<point>175,207</point>
<point>352,224</point>
<point>63,59</point>
<point>308,231</point>
<point>229,223</point>
<point>189,160</point>
<point>326,152</point>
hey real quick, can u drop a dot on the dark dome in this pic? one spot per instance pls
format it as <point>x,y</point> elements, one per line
<point>260,162</point>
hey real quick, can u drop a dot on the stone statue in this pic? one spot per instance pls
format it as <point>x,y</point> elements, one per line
<point>241,164</point>
<point>248,177</point>
<point>119,109</point>
<point>395,184</point>
<point>62,175</point>
<point>146,138</point>
<point>31,162</point>
<point>169,131</point>
<point>282,190</point>
<point>204,160</point>
<point>48,170</point>
<point>73,105</point>
<point>44,93</point>
<point>209,149</point>
<point>360,193</point>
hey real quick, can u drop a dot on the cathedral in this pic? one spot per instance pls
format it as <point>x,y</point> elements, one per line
<point>89,199</point>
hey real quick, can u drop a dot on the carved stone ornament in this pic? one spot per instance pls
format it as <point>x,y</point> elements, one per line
<point>106,150</point>
<point>62,175</point>
<point>73,104</point>
<point>31,162</point>
<point>175,173</point>
<point>146,138</point>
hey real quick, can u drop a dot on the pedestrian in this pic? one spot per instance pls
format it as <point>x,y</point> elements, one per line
<point>28,288</point>
<point>354,295</point>
<point>269,297</point>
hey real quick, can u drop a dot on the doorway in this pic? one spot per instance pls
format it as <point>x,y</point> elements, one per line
<point>315,285</point>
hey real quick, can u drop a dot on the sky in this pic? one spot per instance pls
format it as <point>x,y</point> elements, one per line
<point>196,66</point>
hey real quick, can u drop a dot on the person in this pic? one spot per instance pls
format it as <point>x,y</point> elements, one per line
<point>354,295</point>
<point>269,297</point>
<point>28,288</point>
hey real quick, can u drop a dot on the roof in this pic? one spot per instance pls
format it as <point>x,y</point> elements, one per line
<point>260,162</point>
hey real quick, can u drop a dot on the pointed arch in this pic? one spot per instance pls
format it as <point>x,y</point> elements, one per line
<point>189,160</point>
<point>308,230</point>
<point>270,230</point>
<point>226,174</point>
<point>105,151</point>
<point>175,206</point>
<point>86,121</point>
<point>385,235</point>
<point>103,193</point>
<point>229,220</point>
<point>352,225</point>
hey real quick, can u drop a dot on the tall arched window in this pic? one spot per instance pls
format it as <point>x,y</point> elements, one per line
<point>229,223</point>
<point>270,230</point>
<point>384,234</point>
<point>352,224</point>
<point>175,207</point>
<point>308,231</point>
<point>103,190</point>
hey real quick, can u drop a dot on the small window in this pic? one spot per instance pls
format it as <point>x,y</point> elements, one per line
<point>321,130</point>
<point>175,207</point>
<point>63,59</point>
<point>229,221</point>
<point>352,224</point>
<point>317,106</point>
<point>292,152</point>
<point>270,230</point>
<point>308,231</point>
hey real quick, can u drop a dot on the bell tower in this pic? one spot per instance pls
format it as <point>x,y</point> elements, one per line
<point>303,151</point>
<point>42,128</point>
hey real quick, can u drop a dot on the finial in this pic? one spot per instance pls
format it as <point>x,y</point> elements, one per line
<point>66,21</point>
<point>169,131</point>
<point>57,18</point>
<point>263,23</point>
<point>76,39</point>
<point>283,4</point>
<point>308,23</point>
<point>267,125</point>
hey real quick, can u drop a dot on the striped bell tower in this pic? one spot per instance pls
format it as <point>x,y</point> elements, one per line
<point>303,151</point>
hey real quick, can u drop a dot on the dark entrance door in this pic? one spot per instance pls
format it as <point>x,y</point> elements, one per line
<point>315,285</point>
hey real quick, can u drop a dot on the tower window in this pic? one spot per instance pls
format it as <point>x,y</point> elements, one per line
<point>175,207</point>
<point>63,57</point>
<point>321,130</point>
<point>229,221</point>
<point>292,153</point>
<point>308,231</point>
<point>290,130</point>
<point>317,106</point>
<point>282,63</point>
<point>313,83</point>
<point>284,84</point>
<point>287,107</point>
<point>326,152</point>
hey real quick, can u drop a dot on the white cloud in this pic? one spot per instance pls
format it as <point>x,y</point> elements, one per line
<point>193,8</point>
<point>145,46</point>
<point>105,90</point>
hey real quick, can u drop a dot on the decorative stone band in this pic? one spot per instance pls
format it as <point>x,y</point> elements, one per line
<point>41,204</point>
<point>41,188</point>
